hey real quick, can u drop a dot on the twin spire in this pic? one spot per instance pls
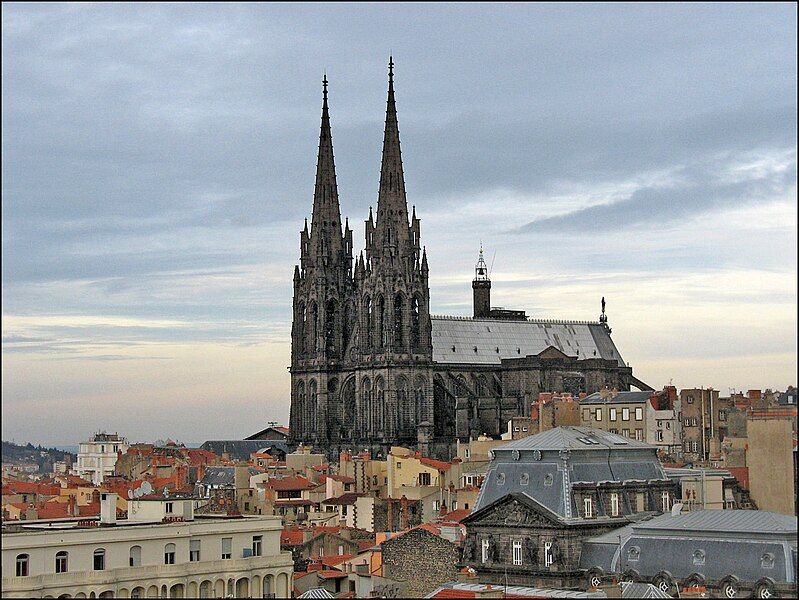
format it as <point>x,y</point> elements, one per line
<point>392,212</point>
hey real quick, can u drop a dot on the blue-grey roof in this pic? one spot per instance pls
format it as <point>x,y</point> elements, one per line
<point>223,476</point>
<point>747,544</point>
<point>618,398</point>
<point>635,589</point>
<point>573,438</point>
<point>513,590</point>
<point>737,521</point>
<point>496,339</point>
<point>242,449</point>
<point>546,466</point>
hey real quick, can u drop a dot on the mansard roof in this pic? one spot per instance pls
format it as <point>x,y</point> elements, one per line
<point>573,438</point>
<point>488,341</point>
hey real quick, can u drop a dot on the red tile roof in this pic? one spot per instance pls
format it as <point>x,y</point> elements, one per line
<point>288,484</point>
<point>741,474</point>
<point>457,515</point>
<point>332,561</point>
<point>328,574</point>
<point>436,464</point>
<point>291,537</point>
<point>348,498</point>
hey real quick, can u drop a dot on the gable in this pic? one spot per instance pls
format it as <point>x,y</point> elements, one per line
<point>552,353</point>
<point>513,510</point>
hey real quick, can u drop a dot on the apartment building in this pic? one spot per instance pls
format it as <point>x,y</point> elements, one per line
<point>98,456</point>
<point>161,550</point>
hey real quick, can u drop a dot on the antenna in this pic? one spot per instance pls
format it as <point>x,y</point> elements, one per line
<point>493,258</point>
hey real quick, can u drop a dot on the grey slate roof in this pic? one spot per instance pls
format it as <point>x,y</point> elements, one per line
<point>241,449</point>
<point>574,439</point>
<point>496,339</point>
<point>513,590</point>
<point>222,476</point>
<point>738,521</point>
<point>539,467</point>
<point>620,398</point>
<point>630,589</point>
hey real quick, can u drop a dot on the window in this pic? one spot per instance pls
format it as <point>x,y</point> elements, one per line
<point>548,557</point>
<point>99,559</point>
<point>659,436</point>
<point>135,556</point>
<point>374,480</point>
<point>614,505</point>
<point>169,554</point>
<point>722,415</point>
<point>625,432</point>
<point>227,548</point>
<point>586,414</point>
<point>399,465</point>
<point>168,508</point>
<point>340,550</point>
<point>639,435</point>
<point>588,508</point>
<point>615,431</point>
<point>665,500</point>
<point>517,553</point>
<point>61,562</point>
<point>485,551</point>
<point>695,446</point>
<point>194,550</point>
<point>690,399</point>
<point>424,478</point>
<point>257,540</point>
<point>436,505</point>
<point>598,414</point>
<point>639,413</point>
<point>613,414</point>
<point>468,454</point>
<point>22,565</point>
<point>625,414</point>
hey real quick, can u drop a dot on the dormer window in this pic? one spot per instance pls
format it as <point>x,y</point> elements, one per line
<point>588,508</point>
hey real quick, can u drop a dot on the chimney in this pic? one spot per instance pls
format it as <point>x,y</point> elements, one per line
<point>71,502</point>
<point>390,515</point>
<point>404,512</point>
<point>108,509</point>
<point>489,592</point>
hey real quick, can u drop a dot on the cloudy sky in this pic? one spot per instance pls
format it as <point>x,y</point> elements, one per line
<point>158,162</point>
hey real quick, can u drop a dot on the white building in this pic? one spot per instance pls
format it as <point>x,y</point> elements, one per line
<point>161,550</point>
<point>98,456</point>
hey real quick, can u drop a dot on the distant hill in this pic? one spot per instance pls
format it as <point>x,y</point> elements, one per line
<point>44,457</point>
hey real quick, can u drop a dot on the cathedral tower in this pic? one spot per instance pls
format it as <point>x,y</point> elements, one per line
<point>323,319</point>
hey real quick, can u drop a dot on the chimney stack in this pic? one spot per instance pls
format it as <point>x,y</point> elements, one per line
<point>108,509</point>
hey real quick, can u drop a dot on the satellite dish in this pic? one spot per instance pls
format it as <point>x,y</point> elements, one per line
<point>166,492</point>
<point>131,495</point>
<point>146,488</point>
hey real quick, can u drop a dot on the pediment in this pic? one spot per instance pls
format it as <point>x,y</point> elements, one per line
<point>551,353</point>
<point>513,510</point>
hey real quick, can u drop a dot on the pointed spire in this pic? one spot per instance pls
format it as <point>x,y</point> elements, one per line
<point>392,208</point>
<point>326,219</point>
<point>425,268</point>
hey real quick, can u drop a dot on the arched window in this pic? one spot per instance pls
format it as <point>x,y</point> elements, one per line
<point>380,342</point>
<point>416,323</point>
<point>302,317</point>
<point>313,316</point>
<point>349,320</point>
<point>169,554</point>
<point>369,315</point>
<point>312,405</point>
<point>482,386</point>
<point>99,559</point>
<point>380,405</point>
<point>399,309</point>
<point>330,328</point>
<point>61,561</point>
<point>300,406</point>
<point>22,565</point>
<point>366,408</point>
<point>405,411</point>
<point>135,556</point>
<point>419,395</point>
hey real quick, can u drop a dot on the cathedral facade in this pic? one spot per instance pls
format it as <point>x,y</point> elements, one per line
<point>371,368</point>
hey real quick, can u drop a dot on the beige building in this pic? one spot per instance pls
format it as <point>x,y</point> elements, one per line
<point>161,550</point>
<point>771,463</point>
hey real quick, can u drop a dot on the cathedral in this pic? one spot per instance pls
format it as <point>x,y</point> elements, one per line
<point>371,368</point>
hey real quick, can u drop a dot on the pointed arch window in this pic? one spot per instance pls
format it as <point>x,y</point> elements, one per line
<point>399,310</point>
<point>312,405</point>
<point>380,325</point>
<point>416,323</point>
<point>369,314</point>
<point>313,318</point>
<point>330,328</point>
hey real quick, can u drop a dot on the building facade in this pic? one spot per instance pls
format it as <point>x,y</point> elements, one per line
<point>161,550</point>
<point>98,456</point>
<point>545,494</point>
<point>371,368</point>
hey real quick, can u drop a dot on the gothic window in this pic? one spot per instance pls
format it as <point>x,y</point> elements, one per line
<point>312,405</point>
<point>405,407</point>
<point>366,409</point>
<point>419,400</point>
<point>460,387</point>
<point>379,404</point>
<point>330,328</point>
<point>348,406</point>
<point>350,318</point>
<point>399,309</point>
<point>302,318</point>
<point>312,318</point>
<point>368,312</point>
<point>380,325</point>
<point>299,415</point>
<point>482,386</point>
<point>416,324</point>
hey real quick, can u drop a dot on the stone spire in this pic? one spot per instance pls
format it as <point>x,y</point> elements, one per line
<point>326,237</point>
<point>392,229</point>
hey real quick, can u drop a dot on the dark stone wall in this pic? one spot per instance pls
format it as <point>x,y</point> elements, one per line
<point>421,559</point>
